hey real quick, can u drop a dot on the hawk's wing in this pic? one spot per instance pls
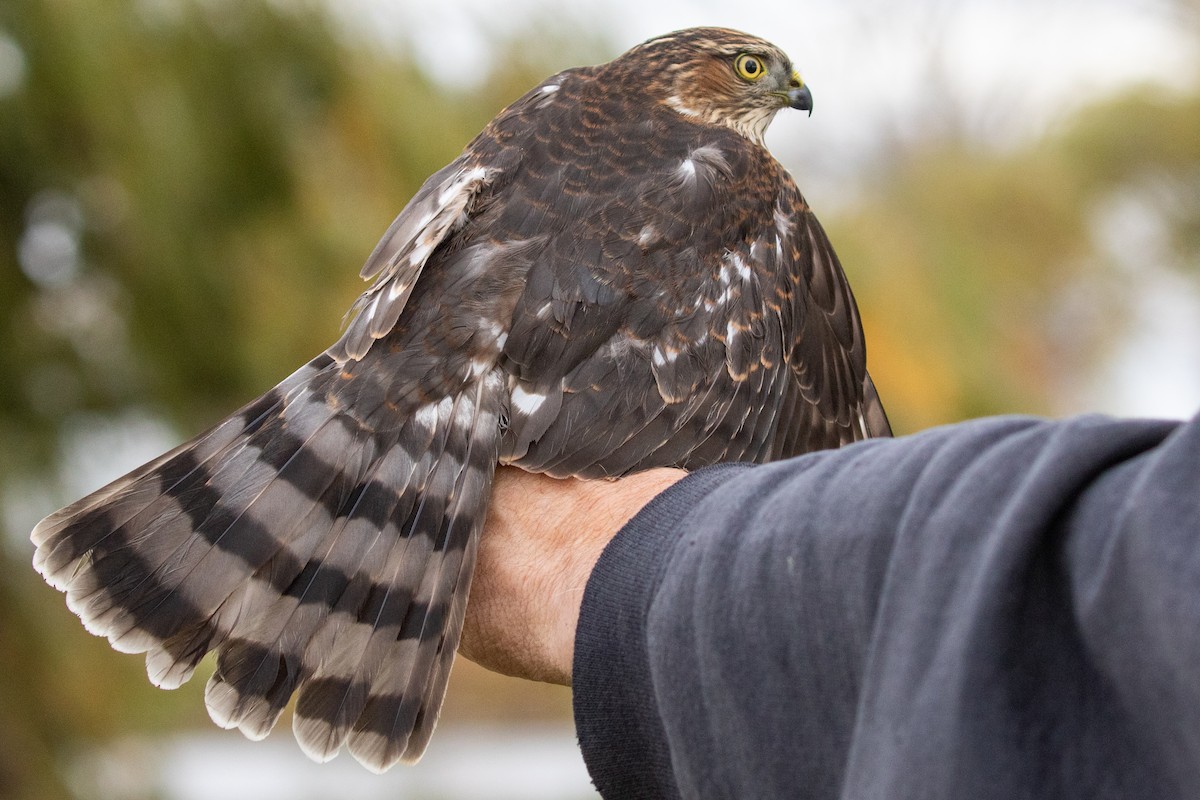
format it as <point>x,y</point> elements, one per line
<point>650,331</point>
<point>832,400</point>
<point>437,210</point>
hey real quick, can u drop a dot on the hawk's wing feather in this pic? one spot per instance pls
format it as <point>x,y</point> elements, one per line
<point>438,209</point>
<point>877,423</point>
<point>653,339</point>
<point>643,317</point>
<point>828,352</point>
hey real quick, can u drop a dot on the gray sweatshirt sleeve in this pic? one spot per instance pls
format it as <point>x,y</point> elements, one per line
<point>1008,608</point>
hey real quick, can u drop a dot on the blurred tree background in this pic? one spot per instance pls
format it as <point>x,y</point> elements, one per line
<point>187,190</point>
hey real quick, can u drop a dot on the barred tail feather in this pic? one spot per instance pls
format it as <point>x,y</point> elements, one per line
<point>435,689</point>
<point>386,665</point>
<point>399,718</point>
<point>253,682</point>
<point>96,549</point>
<point>313,554</point>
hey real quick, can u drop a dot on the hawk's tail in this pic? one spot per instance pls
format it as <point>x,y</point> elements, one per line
<point>313,555</point>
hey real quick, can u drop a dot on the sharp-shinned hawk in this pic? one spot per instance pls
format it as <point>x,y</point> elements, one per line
<point>614,275</point>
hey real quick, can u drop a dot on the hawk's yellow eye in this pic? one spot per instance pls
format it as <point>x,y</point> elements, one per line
<point>750,67</point>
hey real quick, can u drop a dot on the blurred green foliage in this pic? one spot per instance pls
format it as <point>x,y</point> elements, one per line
<point>228,164</point>
<point>187,190</point>
<point>986,281</point>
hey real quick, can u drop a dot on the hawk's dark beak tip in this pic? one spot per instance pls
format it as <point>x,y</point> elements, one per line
<point>800,98</point>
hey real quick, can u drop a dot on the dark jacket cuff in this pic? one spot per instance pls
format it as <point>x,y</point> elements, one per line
<point>616,713</point>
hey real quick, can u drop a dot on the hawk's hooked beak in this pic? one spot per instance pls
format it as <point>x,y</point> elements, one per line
<point>800,97</point>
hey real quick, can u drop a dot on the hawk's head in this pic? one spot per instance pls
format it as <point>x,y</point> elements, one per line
<point>721,77</point>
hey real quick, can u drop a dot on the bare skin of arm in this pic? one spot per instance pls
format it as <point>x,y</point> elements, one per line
<point>541,540</point>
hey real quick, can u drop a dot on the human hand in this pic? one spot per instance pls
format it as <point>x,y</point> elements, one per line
<point>540,542</point>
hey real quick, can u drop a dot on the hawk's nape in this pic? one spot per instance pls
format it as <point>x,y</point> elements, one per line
<point>614,275</point>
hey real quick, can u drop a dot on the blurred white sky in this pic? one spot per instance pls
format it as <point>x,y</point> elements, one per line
<point>873,64</point>
<point>509,762</point>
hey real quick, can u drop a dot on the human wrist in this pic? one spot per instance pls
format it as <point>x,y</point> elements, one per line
<point>541,541</point>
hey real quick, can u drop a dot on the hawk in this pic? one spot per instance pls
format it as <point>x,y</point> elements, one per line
<point>614,275</point>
